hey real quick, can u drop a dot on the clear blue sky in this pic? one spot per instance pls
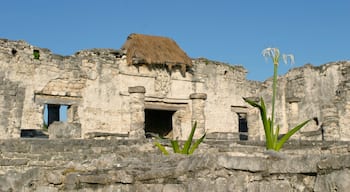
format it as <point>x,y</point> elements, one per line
<point>232,31</point>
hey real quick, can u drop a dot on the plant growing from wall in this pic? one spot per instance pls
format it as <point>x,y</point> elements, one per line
<point>45,127</point>
<point>271,133</point>
<point>187,149</point>
<point>36,54</point>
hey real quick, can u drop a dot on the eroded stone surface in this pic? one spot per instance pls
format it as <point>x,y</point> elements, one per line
<point>112,165</point>
<point>95,85</point>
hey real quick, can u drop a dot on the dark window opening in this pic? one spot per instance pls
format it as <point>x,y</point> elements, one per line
<point>13,51</point>
<point>242,126</point>
<point>55,112</point>
<point>158,122</point>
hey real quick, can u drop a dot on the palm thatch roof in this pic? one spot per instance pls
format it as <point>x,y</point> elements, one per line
<point>154,50</point>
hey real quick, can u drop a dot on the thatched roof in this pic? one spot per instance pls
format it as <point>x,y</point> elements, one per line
<point>153,50</point>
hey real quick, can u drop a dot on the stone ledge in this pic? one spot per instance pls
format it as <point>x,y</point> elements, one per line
<point>137,89</point>
<point>105,135</point>
<point>13,162</point>
<point>198,96</point>
<point>109,164</point>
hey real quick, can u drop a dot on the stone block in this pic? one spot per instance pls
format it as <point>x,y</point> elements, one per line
<point>252,164</point>
<point>333,181</point>
<point>290,164</point>
<point>63,130</point>
<point>137,89</point>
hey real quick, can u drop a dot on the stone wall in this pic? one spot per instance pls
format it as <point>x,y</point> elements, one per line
<point>312,92</point>
<point>11,106</point>
<point>128,165</point>
<point>95,83</point>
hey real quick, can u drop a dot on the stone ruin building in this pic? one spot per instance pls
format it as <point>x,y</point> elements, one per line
<point>150,86</point>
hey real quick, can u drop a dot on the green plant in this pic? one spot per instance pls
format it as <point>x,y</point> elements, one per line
<point>187,149</point>
<point>45,127</point>
<point>36,54</point>
<point>272,133</point>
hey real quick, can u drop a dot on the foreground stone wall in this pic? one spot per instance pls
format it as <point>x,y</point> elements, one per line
<point>127,165</point>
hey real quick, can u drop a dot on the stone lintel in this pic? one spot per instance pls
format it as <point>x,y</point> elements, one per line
<point>239,109</point>
<point>137,89</point>
<point>293,99</point>
<point>60,100</point>
<point>165,106</point>
<point>198,96</point>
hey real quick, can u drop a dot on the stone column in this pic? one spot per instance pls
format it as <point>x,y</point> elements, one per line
<point>137,112</point>
<point>198,113</point>
<point>330,122</point>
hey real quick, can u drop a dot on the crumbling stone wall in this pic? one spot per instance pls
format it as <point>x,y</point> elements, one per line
<point>95,83</point>
<point>11,105</point>
<point>312,92</point>
<point>129,165</point>
<point>225,86</point>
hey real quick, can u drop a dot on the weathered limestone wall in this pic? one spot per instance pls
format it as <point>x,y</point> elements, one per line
<point>127,165</point>
<point>224,85</point>
<point>11,105</point>
<point>95,85</point>
<point>309,92</point>
<point>343,103</point>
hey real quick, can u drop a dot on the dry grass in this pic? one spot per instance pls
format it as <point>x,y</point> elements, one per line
<point>155,50</point>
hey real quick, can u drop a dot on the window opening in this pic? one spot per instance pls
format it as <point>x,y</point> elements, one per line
<point>55,112</point>
<point>13,51</point>
<point>158,122</point>
<point>242,126</point>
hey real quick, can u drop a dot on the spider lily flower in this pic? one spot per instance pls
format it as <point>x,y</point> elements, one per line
<point>274,53</point>
<point>271,132</point>
<point>286,56</point>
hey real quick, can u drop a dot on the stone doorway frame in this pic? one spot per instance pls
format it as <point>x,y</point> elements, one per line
<point>178,121</point>
<point>241,111</point>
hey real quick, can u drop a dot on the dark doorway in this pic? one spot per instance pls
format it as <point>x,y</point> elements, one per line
<point>242,126</point>
<point>158,122</point>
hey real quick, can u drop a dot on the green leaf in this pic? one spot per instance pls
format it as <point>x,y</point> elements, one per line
<point>175,145</point>
<point>275,137</point>
<point>289,134</point>
<point>196,144</point>
<point>252,103</point>
<point>161,148</point>
<point>188,143</point>
<point>266,122</point>
<point>267,125</point>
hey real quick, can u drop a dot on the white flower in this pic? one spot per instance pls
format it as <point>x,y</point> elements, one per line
<point>274,53</point>
<point>286,56</point>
